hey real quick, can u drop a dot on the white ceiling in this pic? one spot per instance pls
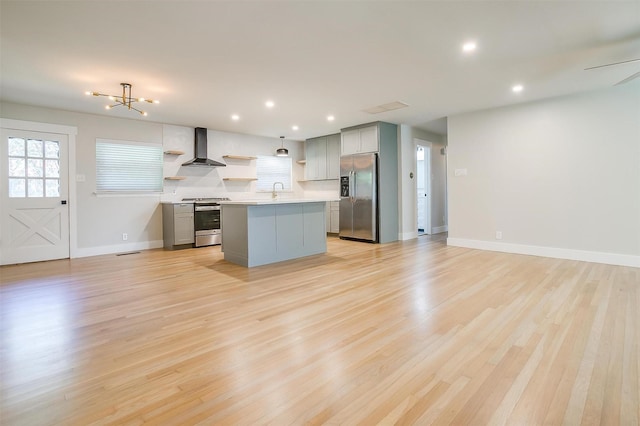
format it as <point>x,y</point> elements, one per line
<point>207,60</point>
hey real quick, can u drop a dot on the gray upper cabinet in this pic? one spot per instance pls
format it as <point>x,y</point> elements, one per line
<point>333,156</point>
<point>322,158</point>
<point>360,140</point>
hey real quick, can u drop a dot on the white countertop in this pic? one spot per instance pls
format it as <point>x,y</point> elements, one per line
<point>263,202</point>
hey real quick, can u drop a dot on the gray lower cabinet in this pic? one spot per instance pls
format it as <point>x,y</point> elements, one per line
<point>177,225</point>
<point>333,217</point>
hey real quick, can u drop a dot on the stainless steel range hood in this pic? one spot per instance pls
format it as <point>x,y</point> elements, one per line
<point>201,151</point>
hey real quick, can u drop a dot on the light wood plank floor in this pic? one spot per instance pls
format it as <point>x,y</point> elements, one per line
<point>412,332</point>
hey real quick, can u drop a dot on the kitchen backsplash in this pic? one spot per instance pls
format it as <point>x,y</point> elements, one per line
<point>208,182</point>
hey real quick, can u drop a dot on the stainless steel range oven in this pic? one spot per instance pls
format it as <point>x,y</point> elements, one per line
<point>207,222</point>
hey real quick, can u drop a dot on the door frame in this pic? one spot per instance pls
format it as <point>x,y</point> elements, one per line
<point>70,132</point>
<point>428,185</point>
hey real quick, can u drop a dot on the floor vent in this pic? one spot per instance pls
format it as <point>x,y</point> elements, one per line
<point>127,254</point>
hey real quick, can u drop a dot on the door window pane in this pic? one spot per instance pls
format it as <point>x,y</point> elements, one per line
<point>17,188</point>
<point>16,147</point>
<point>52,188</point>
<point>34,148</point>
<point>51,149</point>
<point>35,188</point>
<point>35,168</point>
<point>17,167</point>
<point>52,168</point>
<point>27,159</point>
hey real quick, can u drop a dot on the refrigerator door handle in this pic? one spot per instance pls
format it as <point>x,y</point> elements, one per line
<point>351,186</point>
<point>354,186</point>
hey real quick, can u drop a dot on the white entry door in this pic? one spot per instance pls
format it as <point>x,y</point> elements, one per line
<point>423,186</point>
<point>34,185</point>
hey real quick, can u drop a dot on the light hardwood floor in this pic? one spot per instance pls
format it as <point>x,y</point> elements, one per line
<point>412,332</point>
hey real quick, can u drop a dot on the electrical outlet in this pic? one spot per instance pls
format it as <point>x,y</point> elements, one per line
<point>125,236</point>
<point>498,235</point>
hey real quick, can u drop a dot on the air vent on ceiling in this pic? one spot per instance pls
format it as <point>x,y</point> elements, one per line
<point>386,107</point>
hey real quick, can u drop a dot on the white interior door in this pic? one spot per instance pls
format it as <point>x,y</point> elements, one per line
<point>34,184</point>
<point>423,187</point>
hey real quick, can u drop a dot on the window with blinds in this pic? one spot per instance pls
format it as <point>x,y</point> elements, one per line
<point>124,166</point>
<point>271,169</point>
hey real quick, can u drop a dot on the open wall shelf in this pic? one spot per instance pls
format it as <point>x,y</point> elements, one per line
<point>239,157</point>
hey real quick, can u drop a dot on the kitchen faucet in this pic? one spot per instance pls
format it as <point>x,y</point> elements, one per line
<point>274,194</point>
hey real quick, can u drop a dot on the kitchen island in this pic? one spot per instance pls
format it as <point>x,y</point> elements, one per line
<point>259,232</point>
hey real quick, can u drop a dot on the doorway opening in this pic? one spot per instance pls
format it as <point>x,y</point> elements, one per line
<point>423,187</point>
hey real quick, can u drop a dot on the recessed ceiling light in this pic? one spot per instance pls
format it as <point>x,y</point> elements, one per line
<point>294,127</point>
<point>330,118</point>
<point>469,46</point>
<point>269,104</point>
<point>517,88</point>
<point>235,117</point>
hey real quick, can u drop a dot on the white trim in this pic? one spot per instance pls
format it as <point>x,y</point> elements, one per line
<point>71,133</point>
<point>553,252</point>
<point>439,229</point>
<point>119,248</point>
<point>7,123</point>
<point>407,235</point>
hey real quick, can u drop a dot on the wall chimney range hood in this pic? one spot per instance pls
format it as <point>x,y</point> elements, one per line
<point>201,151</point>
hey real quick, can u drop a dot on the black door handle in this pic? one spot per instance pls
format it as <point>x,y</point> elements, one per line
<point>63,202</point>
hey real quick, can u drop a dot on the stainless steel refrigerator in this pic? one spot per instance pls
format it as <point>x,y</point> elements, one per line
<point>359,197</point>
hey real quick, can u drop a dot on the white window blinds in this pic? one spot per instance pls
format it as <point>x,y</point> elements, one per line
<point>270,169</point>
<point>123,166</point>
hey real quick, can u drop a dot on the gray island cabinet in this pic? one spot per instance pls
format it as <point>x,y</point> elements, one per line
<point>260,232</point>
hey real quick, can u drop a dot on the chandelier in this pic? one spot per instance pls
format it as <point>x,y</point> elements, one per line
<point>125,100</point>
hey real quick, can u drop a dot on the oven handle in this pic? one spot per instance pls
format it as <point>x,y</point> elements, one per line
<point>206,208</point>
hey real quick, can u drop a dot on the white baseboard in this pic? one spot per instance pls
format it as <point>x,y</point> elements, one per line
<point>440,229</point>
<point>557,253</point>
<point>117,248</point>
<point>407,235</point>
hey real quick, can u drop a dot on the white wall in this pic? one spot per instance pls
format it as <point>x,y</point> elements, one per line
<point>101,221</point>
<point>559,177</point>
<point>407,192</point>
